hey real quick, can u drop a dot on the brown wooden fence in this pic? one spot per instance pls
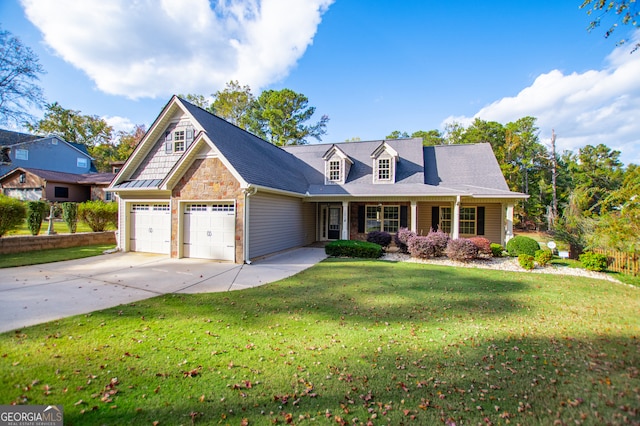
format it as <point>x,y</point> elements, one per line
<point>626,263</point>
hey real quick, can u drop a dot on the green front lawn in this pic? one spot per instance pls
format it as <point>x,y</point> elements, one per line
<point>345,342</point>
<point>52,255</point>
<point>59,227</point>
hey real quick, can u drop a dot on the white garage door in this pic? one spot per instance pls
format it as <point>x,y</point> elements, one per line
<point>150,227</point>
<point>209,231</point>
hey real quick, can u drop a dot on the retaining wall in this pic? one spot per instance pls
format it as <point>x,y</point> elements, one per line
<point>19,244</point>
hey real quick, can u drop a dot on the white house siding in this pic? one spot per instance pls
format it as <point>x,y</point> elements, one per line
<point>278,222</point>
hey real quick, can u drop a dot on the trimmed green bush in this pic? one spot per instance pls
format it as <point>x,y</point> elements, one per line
<point>543,257</point>
<point>496,250</point>
<point>36,212</point>
<point>593,261</point>
<point>98,214</point>
<point>12,213</point>
<point>526,261</point>
<point>522,245</point>
<point>462,250</point>
<point>352,248</point>
<point>70,216</point>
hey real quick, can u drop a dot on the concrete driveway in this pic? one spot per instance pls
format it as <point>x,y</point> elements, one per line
<point>34,294</point>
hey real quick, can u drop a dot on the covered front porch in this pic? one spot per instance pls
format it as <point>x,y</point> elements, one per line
<point>460,217</point>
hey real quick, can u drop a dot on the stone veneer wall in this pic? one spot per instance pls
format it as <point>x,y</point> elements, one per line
<point>208,180</point>
<point>20,244</point>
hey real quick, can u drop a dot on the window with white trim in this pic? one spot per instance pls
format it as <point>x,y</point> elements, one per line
<point>445,219</point>
<point>82,162</point>
<point>334,171</point>
<point>22,154</point>
<point>178,140</point>
<point>384,169</point>
<point>467,220</point>
<point>382,218</point>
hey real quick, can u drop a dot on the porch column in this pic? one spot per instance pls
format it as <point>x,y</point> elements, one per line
<point>345,220</point>
<point>509,224</point>
<point>455,220</point>
<point>414,216</point>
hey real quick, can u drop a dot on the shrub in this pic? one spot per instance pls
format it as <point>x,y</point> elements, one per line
<point>98,214</point>
<point>462,250</point>
<point>496,250</point>
<point>352,248</point>
<point>12,213</point>
<point>526,261</point>
<point>439,241</point>
<point>522,245</point>
<point>70,216</point>
<point>543,257</point>
<point>419,246</point>
<point>36,211</point>
<point>402,238</point>
<point>594,261</point>
<point>484,245</point>
<point>379,237</point>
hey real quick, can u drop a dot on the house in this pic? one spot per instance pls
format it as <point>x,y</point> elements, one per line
<point>35,184</point>
<point>44,153</point>
<point>34,167</point>
<point>198,186</point>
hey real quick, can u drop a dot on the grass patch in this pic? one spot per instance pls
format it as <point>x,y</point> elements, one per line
<point>345,342</point>
<point>58,226</point>
<point>52,255</point>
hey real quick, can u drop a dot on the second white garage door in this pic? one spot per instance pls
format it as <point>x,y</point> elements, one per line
<point>209,231</point>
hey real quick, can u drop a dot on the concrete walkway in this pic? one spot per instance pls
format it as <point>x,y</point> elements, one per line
<point>35,294</point>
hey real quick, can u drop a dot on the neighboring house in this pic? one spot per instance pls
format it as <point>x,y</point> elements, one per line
<point>35,184</point>
<point>198,186</point>
<point>34,167</point>
<point>44,153</point>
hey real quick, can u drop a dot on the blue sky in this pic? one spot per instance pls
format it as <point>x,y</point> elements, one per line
<point>371,66</point>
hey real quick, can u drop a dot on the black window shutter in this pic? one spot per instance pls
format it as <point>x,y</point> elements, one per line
<point>435,218</point>
<point>403,216</point>
<point>361,219</point>
<point>480,220</point>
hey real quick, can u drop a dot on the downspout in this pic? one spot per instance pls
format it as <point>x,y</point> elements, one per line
<point>248,192</point>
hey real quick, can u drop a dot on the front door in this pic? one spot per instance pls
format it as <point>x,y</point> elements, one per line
<point>334,223</point>
<point>330,222</point>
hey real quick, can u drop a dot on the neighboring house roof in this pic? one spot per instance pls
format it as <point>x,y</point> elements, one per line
<point>468,170</point>
<point>72,178</point>
<point>9,137</point>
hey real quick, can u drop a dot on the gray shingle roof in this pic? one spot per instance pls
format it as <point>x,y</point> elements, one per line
<point>9,137</point>
<point>420,171</point>
<point>257,161</point>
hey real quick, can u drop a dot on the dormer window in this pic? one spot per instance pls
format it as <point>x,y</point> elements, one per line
<point>334,171</point>
<point>384,164</point>
<point>384,169</point>
<point>337,166</point>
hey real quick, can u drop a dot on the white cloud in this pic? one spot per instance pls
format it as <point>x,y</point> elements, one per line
<point>151,48</point>
<point>593,107</point>
<point>119,123</point>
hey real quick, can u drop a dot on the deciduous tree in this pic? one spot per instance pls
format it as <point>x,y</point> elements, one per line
<point>19,75</point>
